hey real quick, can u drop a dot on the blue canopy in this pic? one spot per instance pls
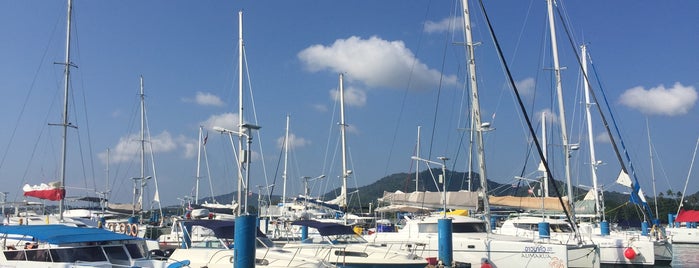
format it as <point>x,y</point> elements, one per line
<point>326,228</point>
<point>221,228</point>
<point>63,234</point>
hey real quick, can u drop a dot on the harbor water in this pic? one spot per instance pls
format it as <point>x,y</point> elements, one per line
<point>685,255</point>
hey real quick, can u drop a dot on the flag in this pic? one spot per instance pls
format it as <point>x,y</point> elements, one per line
<point>51,191</point>
<point>156,197</point>
<point>624,179</point>
<point>206,138</point>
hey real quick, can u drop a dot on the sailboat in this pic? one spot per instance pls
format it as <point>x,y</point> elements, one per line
<point>129,218</point>
<point>686,233</point>
<point>616,247</point>
<point>336,241</point>
<point>61,245</point>
<point>473,242</point>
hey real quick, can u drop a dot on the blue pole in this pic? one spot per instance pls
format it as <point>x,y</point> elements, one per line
<point>304,233</point>
<point>445,241</point>
<point>604,228</point>
<point>644,228</point>
<point>670,220</point>
<point>245,232</point>
<point>544,230</point>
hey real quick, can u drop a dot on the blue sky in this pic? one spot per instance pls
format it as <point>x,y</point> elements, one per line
<point>404,67</point>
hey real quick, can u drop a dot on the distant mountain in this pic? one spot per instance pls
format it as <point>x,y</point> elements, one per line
<point>617,204</point>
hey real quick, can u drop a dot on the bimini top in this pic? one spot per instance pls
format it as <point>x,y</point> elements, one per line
<point>221,228</point>
<point>63,234</point>
<point>326,228</point>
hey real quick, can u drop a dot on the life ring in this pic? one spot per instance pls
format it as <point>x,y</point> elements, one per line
<point>122,228</point>
<point>134,229</point>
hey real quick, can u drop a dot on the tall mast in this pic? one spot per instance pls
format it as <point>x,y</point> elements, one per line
<point>543,146</point>
<point>66,85</point>
<point>198,178</point>
<point>417,162</point>
<point>476,112</point>
<point>343,125</point>
<point>240,110</point>
<point>561,110</point>
<point>286,157</point>
<point>143,148</point>
<point>599,213</point>
<point>652,168</point>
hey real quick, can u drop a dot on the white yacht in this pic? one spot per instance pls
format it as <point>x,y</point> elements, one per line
<point>58,245</point>
<point>217,250</point>
<point>617,248</point>
<point>341,246</point>
<point>473,245</point>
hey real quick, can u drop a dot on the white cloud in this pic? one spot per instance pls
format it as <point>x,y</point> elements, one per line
<point>526,86</point>
<point>353,96</point>
<point>551,117</point>
<point>205,99</point>
<point>226,120</point>
<point>603,138</point>
<point>444,25</point>
<point>374,62</point>
<point>129,147</point>
<point>294,142</point>
<point>677,100</point>
<point>320,107</point>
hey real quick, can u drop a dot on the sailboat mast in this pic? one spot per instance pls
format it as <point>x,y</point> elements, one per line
<point>561,110</point>
<point>345,172</point>
<point>475,105</point>
<point>286,158</point>
<point>196,187</point>
<point>417,162</point>
<point>65,124</point>
<point>599,213</point>
<point>240,110</point>
<point>543,147</point>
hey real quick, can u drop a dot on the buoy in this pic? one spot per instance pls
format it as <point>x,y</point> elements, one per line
<point>629,253</point>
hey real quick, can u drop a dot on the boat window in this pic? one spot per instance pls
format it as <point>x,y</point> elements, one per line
<point>117,255</point>
<point>459,227</point>
<point>527,226</point>
<point>38,255</point>
<point>17,255</point>
<point>561,228</point>
<point>87,254</point>
<point>351,253</point>
<point>468,227</point>
<point>137,251</point>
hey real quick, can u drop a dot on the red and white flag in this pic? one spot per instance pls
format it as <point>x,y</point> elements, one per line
<point>51,191</point>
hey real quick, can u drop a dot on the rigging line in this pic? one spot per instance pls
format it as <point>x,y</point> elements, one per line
<point>691,166</point>
<point>254,112</point>
<point>276,170</point>
<point>26,99</point>
<point>526,116</point>
<point>208,174</point>
<point>405,92</point>
<point>439,93</point>
<point>84,99</point>
<point>615,125</point>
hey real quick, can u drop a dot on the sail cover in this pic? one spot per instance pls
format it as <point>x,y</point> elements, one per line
<point>455,200</point>
<point>547,203</point>
<point>51,191</point>
<point>687,216</point>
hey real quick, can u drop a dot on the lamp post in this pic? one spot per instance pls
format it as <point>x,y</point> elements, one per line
<point>444,225</point>
<point>444,177</point>
<point>245,158</point>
